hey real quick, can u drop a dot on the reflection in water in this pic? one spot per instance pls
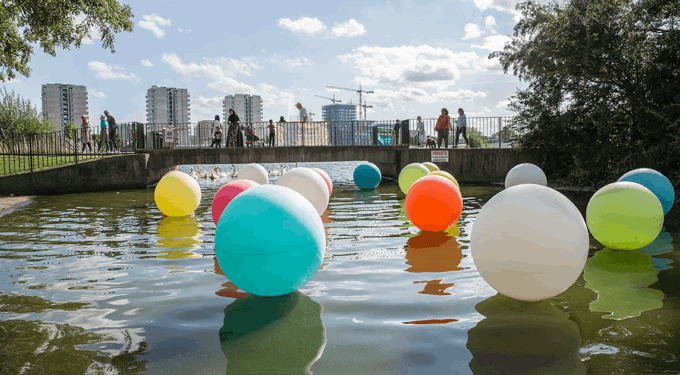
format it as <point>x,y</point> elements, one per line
<point>272,335</point>
<point>661,245</point>
<point>433,252</point>
<point>519,337</point>
<point>620,278</point>
<point>179,235</point>
<point>435,287</point>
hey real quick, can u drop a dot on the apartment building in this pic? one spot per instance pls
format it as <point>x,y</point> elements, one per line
<point>165,104</point>
<point>247,107</point>
<point>64,103</point>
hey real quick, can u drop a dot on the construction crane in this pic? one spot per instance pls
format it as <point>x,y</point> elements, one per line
<point>365,106</point>
<point>360,91</point>
<point>333,100</point>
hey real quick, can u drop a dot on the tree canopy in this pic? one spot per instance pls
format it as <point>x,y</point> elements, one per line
<point>604,87</point>
<point>55,24</point>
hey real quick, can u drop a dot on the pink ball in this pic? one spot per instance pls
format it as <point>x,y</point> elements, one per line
<point>227,193</point>
<point>326,178</point>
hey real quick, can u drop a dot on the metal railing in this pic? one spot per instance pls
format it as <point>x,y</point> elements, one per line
<point>27,153</point>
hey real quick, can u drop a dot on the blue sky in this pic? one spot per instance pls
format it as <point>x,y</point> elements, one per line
<point>417,57</point>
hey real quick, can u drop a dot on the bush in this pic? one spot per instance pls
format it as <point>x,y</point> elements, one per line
<point>19,117</point>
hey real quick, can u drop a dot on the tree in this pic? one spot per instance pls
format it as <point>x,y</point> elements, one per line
<point>18,116</point>
<point>55,24</point>
<point>604,87</point>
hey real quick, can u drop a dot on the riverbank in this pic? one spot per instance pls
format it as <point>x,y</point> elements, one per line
<point>11,204</point>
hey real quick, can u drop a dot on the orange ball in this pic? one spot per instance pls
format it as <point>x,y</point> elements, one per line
<point>433,203</point>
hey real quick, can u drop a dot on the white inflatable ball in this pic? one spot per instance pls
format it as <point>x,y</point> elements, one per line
<point>254,172</point>
<point>308,183</point>
<point>529,242</point>
<point>526,173</point>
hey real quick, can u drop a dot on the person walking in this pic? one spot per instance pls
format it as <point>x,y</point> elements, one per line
<point>217,131</point>
<point>104,135</point>
<point>395,139</point>
<point>272,132</point>
<point>421,132</point>
<point>234,135</point>
<point>85,136</point>
<point>113,130</point>
<point>442,128</point>
<point>461,127</point>
<point>304,117</point>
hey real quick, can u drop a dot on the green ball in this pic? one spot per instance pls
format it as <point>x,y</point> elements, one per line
<point>624,216</point>
<point>431,166</point>
<point>410,174</point>
<point>445,174</point>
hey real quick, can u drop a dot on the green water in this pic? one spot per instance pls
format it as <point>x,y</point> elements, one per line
<point>99,283</point>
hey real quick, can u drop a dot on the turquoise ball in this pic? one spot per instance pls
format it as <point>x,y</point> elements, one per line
<point>270,241</point>
<point>367,176</point>
<point>654,181</point>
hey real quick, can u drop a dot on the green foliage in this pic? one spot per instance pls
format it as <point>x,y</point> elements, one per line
<point>476,139</point>
<point>18,116</point>
<point>604,93</point>
<point>55,24</point>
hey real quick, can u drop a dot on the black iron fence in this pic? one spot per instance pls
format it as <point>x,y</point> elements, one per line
<point>27,153</point>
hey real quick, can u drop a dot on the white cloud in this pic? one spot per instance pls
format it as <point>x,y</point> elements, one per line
<point>153,23</point>
<point>105,71</point>
<point>489,22</point>
<point>288,62</point>
<point>506,6</point>
<point>97,94</point>
<point>349,29</point>
<point>94,32</point>
<point>147,63</point>
<point>303,25</point>
<point>503,104</point>
<point>493,43</point>
<point>407,74</point>
<point>222,79</point>
<point>472,31</point>
<point>184,30</point>
<point>139,114</point>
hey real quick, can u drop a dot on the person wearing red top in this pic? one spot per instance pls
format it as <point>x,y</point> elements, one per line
<point>442,128</point>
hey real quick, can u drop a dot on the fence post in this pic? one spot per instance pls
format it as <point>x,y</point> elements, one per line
<point>499,132</point>
<point>352,133</point>
<point>75,145</point>
<point>30,150</point>
<point>302,132</point>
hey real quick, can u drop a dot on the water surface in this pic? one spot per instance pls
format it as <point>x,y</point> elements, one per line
<point>99,283</point>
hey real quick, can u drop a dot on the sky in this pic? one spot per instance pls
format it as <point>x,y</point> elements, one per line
<point>416,56</point>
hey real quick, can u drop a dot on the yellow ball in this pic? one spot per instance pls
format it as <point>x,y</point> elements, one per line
<point>431,166</point>
<point>177,194</point>
<point>445,174</point>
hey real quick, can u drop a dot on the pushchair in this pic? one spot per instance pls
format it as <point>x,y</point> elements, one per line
<point>251,138</point>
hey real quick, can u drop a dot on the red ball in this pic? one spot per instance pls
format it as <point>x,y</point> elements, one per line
<point>434,203</point>
<point>226,194</point>
<point>326,178</point>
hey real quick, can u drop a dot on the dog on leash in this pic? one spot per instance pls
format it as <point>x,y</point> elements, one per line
<point>431,143</point>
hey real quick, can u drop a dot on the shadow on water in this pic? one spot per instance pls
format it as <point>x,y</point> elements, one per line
<point>518,337</point>
<point>179,235</point>
<point>621,279</point>
<point>272,335</point>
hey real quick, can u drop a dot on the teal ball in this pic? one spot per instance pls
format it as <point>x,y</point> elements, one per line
<point>367,176</point>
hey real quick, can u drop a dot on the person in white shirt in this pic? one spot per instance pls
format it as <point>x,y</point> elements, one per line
<point>461,127</point>
<point>421,131</point>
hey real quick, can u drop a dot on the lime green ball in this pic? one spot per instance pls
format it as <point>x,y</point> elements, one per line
<point>431,166</point>
<point>624,216</point>
<point>447,175</point>
<point>410,174</point>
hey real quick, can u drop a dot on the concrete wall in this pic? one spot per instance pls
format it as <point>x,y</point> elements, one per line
<point>147,167</point>
<point>113,173</point>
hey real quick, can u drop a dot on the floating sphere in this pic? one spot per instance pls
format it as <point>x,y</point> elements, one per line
<point>254,172</point>
<point>433,203</point>
<point>326,178</point>
<point>177,194</point>
<point>526,173</point>
<point>410,174</point>
<point>270,240</point>
<point>445,174</point>
<point>227,193</point>
<point>308,183</point>
<point>624,216</point>
<point>529,242</point>
<point>367,176</point>
<point>430,166</point>
<point>656,182</point>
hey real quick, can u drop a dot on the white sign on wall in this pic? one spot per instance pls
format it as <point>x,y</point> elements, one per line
<point>441,156</point>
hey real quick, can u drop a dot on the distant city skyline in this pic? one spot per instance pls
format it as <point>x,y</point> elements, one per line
<point>416,58</point>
